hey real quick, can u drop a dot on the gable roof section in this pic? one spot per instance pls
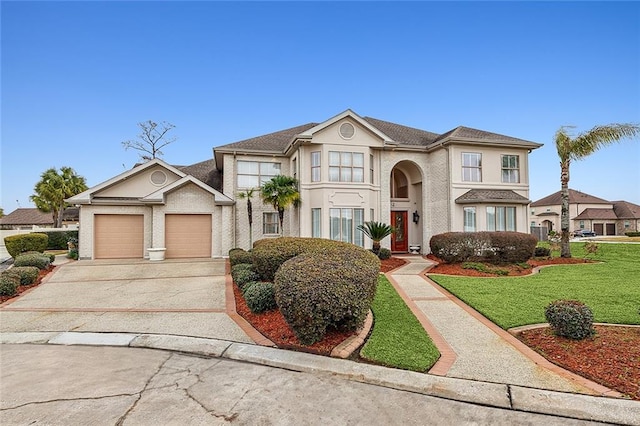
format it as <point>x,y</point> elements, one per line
<point>575,197</point>
<point>468,134</point>
<point>602,214</point>
<point>27,216</point>
<point>159,196</point>
<point>206,172</point>
<point>491,196</point>
<point>626,210</point>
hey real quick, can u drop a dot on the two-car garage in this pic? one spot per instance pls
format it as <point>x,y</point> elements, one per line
<point>121,236</point>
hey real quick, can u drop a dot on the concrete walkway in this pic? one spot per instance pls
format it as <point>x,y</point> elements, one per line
<point>474,348</point>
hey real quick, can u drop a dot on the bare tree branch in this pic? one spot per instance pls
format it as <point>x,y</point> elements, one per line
<point>151,139</point>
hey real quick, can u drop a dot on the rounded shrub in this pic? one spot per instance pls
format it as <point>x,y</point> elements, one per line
<point>570,318</point>
<point>384,253</point>
<point>335,288</point>
<point>9,283</point>
<point>260,297</point>
<point>243,273</point>
<point>28,274</point>
<point>17,244</point>
<point>39,260</point>
<point>542,252</point>
<point>490,247</point>
<point>238,256</point>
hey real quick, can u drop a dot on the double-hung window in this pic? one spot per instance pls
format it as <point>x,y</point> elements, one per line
<point>501,218</point>
<point>510,169</point>
<point>343,225</point>
<point>252,174</point>
<point>270,223</point>
<point>469,219</point>
<point>315,166</point>
<point>471,167</point>
<point>346,166</point>
<point>316,223</point>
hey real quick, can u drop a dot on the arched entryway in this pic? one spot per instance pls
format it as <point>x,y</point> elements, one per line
<point>406,206</point>
<point>548,224</point>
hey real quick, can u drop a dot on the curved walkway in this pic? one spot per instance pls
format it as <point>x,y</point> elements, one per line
<point>473,347</point>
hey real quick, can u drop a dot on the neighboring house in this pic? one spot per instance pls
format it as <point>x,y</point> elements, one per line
<point>586,212</point>
<point>350,169</point>
<point>32,218</point>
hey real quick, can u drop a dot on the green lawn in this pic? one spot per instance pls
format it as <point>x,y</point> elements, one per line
<point>611,289</point>
<point>398,339</point>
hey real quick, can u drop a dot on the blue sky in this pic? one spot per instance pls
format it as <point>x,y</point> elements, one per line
<point>78,76</point>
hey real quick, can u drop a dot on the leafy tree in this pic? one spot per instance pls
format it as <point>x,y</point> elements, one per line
<point>52,189</point>
<point>248,194</point>
<point>377,231</point>
<point>280,192</point>
<point>576,148</point>
<point>151,140</point>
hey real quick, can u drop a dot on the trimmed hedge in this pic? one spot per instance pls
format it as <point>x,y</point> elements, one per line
<point>243,273</point>
<point>570,318</point>
<point>9,283</point>
<point>58,239</point>
<point>542,252</point>
<point>260,297</point>
<point>28,274</point>
<point>39,260</point>
<point>238,256</point>
<point>20,243</point>
<point>491,247</point>
<point>632,234</point>
<point>335,288</point>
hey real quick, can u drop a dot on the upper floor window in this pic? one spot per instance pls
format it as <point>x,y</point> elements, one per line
<point>252,174</point>
<point>399,184</point>
<point>315,166</point>
<point>346,166</point>
<point>510,169</point>
<point>501,218</point>
<point>371,169</point>
<point>471,167</point>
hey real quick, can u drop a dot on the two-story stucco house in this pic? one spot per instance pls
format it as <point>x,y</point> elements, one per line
<point>350,169</point>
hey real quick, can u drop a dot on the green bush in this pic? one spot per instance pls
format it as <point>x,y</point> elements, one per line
<point>542,252</point>
<point>335,288</point>
<point>243,273</point>
<point>28,274</point>
<point>491,247</point>
<point>238,256</point>
<point>260,297</point>
<point>9,283</point>
<point>632,234</point>
<point>58,239</point>
<point>384,253</point>
<point>39,260</point>
<point>20,243</point>
<point>570,318</point>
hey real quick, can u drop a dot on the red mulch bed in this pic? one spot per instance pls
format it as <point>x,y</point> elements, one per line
<point>390,264</point>
<point>611,357</point>
<point>22,288</point>
<point>514,270</point>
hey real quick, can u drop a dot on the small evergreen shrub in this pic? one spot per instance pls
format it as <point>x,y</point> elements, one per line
<point>17,244</point>
<point>246,286</point>
<point>243,273</point>
<point>39,260</point>
<point>384,253</point>
<point>491,247</point>
<point>260,297</point>
<point>570,318</point>
<point>632,234</point>
<point>28,274</point>
<point>238,256</point>
<point>9,283</point>
<point>58,239</point>
<point>542,252</point>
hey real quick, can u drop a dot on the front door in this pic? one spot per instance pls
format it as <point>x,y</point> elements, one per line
<point>399,241</point>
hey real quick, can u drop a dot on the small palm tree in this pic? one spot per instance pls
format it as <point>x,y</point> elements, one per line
<point>248,194</point>
<point>52,189</point>
<point>377,231</point>
<point>576,148</point>
<point>281,192</point>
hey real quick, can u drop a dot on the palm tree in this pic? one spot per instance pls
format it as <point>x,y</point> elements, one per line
<point>281,192</point>
<point>377,231</point>
<point>248,194</point>
<point>52,189</point>
<point>576,148</point>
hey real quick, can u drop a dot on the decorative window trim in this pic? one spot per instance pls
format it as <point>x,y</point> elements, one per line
<point>158,173</point>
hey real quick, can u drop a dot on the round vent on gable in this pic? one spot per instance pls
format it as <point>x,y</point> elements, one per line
<point>158,177</point>
<point>347,130</point>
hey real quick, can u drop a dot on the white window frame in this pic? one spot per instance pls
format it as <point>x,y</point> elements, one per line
<point>260,177</point>
<point>469,213</point>
<point>501,218</point>
<point>316,223</point>
<point>343,224</point>
<point>268,221</point>
<point>510,172</point>
<point>342,166</point>
<point>316,164</point>
<point>471,167</point>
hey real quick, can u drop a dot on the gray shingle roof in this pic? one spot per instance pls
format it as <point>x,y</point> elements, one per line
<point>206,172</point>
<point>575,197</point>
<point>491,196</point>
<point>468,133</point>
<point>272,142</point>
<point>626,210</point>
<point>403,134</point>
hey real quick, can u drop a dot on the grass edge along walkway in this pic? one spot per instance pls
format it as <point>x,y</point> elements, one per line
<point>397,338</point>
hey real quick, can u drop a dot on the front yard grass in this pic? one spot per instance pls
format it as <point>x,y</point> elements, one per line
<point>611,288</point>
<point>398,339</point>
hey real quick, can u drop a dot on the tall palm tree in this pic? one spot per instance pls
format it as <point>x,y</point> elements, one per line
<point>281,192</point>
<point>576,148</point>
<point>52,189</point>
<point>248,194</point>
<point>377,231</point>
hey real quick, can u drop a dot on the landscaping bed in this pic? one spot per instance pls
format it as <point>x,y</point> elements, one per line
<point>22,288</point>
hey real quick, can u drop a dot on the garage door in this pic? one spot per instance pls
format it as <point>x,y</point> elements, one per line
<point>611,228</point>
<point>187,235</point>
<point>118,236</point>
<point>598,228</point>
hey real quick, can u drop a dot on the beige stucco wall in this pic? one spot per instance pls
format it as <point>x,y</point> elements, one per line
<point>138,185</point>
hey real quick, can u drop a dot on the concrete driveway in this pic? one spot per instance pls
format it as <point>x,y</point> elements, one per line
<point>180,297</point>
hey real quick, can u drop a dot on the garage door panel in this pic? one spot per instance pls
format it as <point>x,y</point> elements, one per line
<point>118,236</point>
<point>188,235</point>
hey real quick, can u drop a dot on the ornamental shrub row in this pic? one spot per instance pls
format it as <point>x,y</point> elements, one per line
<point>58,239</point>
<point>243,273</point>
<point>260,296</point>
<point>238,256</point>
<point>9,283</point>
<point>491,247</point>
<point>27,274</point>
<point>39,260</point>
<point>21,243</point>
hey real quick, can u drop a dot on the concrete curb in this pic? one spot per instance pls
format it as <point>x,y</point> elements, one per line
<point>576,406</point>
